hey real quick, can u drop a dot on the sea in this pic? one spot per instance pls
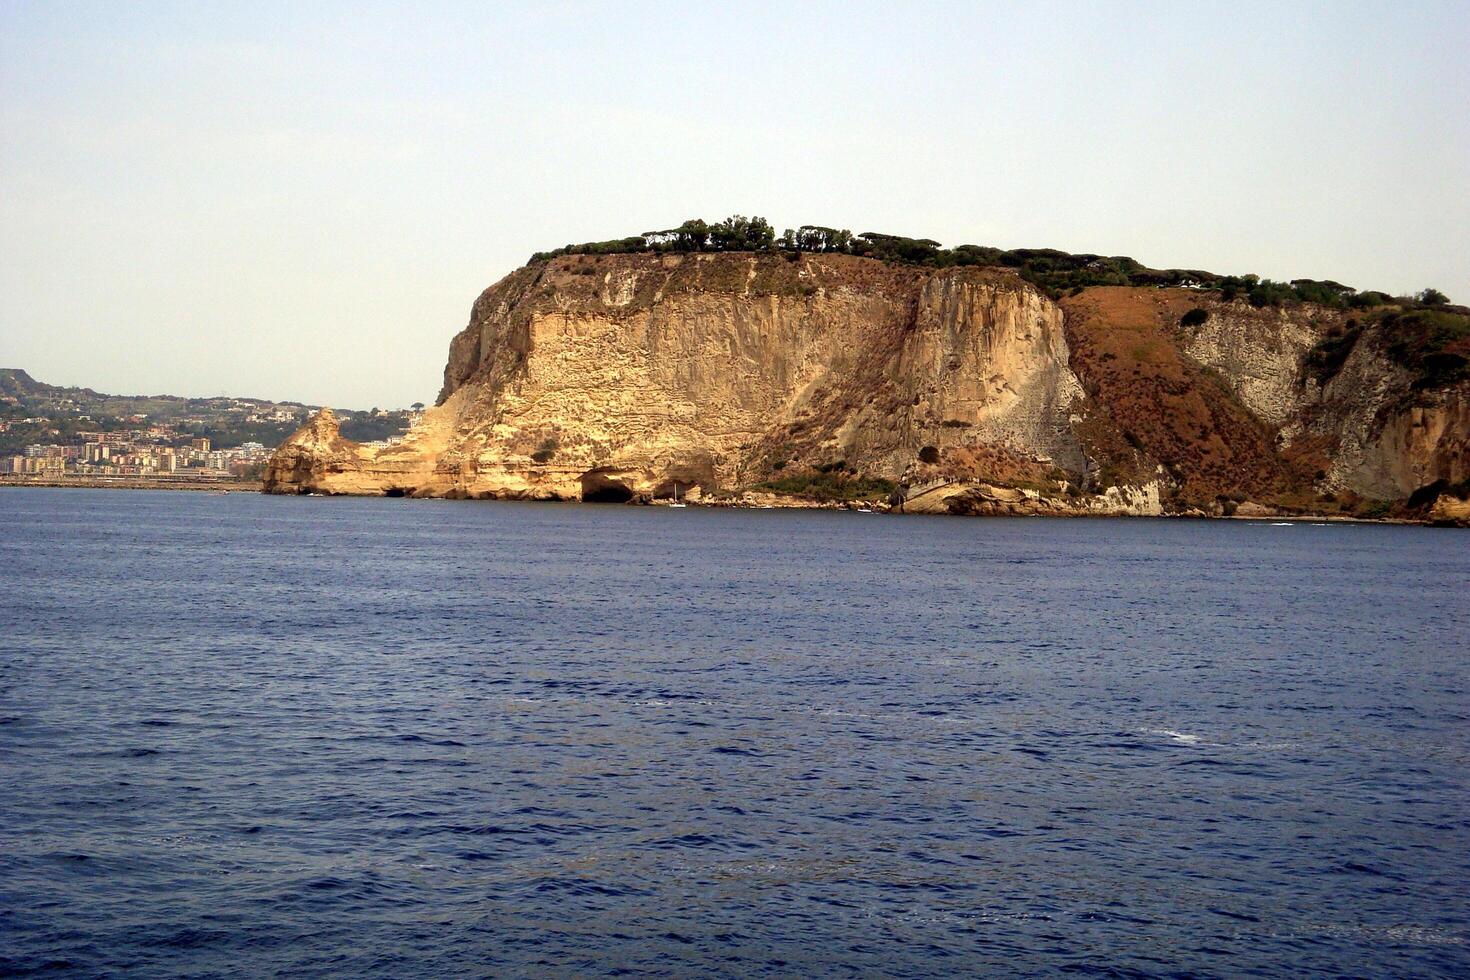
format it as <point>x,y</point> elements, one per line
<point>334,737</point>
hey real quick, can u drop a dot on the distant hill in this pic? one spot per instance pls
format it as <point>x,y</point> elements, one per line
<point>59,413</point>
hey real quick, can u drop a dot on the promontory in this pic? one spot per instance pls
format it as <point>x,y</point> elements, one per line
<point>732,366</point>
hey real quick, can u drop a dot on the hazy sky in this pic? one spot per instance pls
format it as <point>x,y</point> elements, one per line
<point>301,201</point>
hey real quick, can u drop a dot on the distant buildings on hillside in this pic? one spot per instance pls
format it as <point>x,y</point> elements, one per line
<point>75,432</point>
<point>152,451</point>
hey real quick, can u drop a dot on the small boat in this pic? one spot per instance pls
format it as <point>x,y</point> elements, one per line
<point>865,510</point>
<point>676,497</point>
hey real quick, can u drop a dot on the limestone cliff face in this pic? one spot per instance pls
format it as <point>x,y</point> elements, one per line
<point>1384,438</point>
<point>610,377</point>
<point>1375,433</point>
<point>1258,353</point>
<point>315,452</point>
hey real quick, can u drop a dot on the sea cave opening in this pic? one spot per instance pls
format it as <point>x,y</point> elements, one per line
<point>599,488</point>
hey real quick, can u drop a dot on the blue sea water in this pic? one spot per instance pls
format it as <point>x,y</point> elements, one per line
<point>359,737</point>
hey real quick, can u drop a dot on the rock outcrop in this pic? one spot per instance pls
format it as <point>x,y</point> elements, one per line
<point>965,390</point>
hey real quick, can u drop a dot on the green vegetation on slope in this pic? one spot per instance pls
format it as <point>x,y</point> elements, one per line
<point>1433,344</point>
<point>1430,342</point>
<point>831,483</point>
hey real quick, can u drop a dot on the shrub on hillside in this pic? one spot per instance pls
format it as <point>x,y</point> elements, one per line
<point>831,486</point>
<point>546,451</point>
<point>1433,344</point>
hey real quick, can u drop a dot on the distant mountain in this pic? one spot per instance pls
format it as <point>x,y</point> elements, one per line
<point>57,414</point>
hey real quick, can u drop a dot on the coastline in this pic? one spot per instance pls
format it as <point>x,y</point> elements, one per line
<point>853,507</point>
<point>244,486</point>
<point>131,483</point>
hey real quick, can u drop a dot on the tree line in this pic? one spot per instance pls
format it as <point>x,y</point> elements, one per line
<point>1054,271</point>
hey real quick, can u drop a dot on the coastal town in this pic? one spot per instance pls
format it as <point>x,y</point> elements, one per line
<point>78,437</point>
<point>151,451</point>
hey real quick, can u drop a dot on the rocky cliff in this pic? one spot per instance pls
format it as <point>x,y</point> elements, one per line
<point>962,390</point>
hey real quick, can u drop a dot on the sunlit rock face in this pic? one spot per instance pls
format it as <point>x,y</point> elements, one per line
<point>583,375</point>
<point>628,377</point>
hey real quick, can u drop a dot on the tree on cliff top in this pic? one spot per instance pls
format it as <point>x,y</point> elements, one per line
<point>816,238</point>
<point>738,233</point>
<point>1049,269</point>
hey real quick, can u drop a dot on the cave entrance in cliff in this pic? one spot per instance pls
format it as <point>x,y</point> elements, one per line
<point>599,488</point>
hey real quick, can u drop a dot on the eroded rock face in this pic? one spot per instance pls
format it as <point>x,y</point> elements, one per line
<point>1386,439</point>
<point>1450,509</point>
<point>628,377</point>
<point>645,371</point>
<point>315,453</point>
<point>986,500</point>
<point>1258,353</point>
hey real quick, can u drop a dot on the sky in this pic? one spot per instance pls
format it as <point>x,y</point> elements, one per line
<point>301,201</point>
